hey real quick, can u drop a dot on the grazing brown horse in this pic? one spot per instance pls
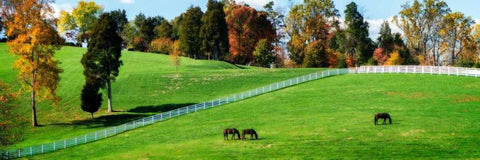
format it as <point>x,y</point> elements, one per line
<point>384,116</point>
<point>251,132</point>
<point>232,131</point>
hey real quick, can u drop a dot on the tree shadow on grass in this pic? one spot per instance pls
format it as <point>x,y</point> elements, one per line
<point>105,121</point>
<point>158,108</point>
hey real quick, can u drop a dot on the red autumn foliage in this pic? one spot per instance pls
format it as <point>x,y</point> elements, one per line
<point>246,26</point>
<point>379,56</point>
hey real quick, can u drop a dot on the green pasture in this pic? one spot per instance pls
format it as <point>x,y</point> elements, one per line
<point>147,84</point>
<point>434,117</point>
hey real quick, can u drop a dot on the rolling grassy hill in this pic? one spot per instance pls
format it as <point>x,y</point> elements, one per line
<point>434,117</point>
<point>147,84</point>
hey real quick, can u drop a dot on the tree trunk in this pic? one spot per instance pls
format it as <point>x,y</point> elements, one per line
<point>92,115</point>
<point>34,102</point>
<point>109,95</point>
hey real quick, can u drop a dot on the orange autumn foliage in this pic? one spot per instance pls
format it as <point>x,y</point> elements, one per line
<point>33,39</point>
<point>246,26</point>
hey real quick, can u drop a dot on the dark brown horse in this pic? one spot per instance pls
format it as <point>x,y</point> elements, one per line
<point>384,116</point>
<point>251,132</point>
<point>232,131</point>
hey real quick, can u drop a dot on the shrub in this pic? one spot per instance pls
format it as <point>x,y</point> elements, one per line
<point>161,45</point>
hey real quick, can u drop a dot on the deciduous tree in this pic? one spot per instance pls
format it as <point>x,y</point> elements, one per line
<point>455,33</point>
<point>34,41</point>
<point>421,24</point>
<point>86,15</point>
<point>162,46</point>
<point>10,122</point>
<point>264,55</point>
<point>309,22</point>
<point>176,54</point>
<point>246,26</point>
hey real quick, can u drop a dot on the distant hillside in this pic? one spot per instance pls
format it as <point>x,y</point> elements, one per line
<point>147,84</point>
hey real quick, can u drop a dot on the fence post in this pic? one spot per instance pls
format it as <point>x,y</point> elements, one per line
<point>31,151</point>
<point>54,146</point>
<point>20,152</point>
<point>95,135</point>
<point>106,133</point>
<point>143,122</point>
<point>338,71</point>
<point>161,116</point>
<point>115,128</point>
<point>125,127</point>
<point>75,140</point>
<point>43,150</point>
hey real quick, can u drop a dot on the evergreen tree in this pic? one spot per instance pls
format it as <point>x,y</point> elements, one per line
<point>91,99</point>
<point>146,30</point>
<point>385,39</point>
<point>190,41</point>
<point>102,60</point>
<point>120,16</point>
<point>164,30</point>
<point>357,44</point>
<point>214,31</point>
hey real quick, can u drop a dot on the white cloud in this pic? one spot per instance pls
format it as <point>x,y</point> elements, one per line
<point>127,1</point>
<point>477,21</point>
<point>58,7</point>
<point>258,4</point>
<point>376,24</point>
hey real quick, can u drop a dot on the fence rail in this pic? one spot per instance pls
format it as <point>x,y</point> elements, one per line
<point>108,132</point>
<point>458,71</point>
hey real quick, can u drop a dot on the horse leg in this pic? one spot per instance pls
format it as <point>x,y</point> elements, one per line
<point>390,120</point>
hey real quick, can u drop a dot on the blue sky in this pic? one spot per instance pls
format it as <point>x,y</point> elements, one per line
<point>375,11</point>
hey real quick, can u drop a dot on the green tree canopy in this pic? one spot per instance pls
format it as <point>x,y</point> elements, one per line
<point>102,61</point>
<point>190,41</point>
<point>214,31</point>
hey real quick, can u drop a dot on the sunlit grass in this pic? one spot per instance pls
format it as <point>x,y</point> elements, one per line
<point>434,117</point>
<point>147,84</point>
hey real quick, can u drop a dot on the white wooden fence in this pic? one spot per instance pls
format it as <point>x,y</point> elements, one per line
<point>458,71</point>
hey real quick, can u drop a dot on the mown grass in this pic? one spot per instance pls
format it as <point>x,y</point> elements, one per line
<point>434,117</point>
<point>147,84</point>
